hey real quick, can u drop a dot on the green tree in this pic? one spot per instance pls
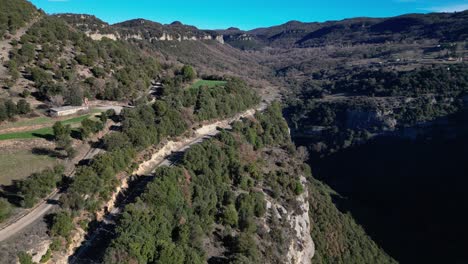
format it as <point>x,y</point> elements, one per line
<point>188,73</point>
<point>24,258</point>
<point>71,152</point>
<point>26,93</point>
<point>63,139</point>
<point>74,96</point>
<point>27,52</point>
<point>11,108</point>
<point>13,70</point>
<point>3,112</point>
<point>62,224</point>
<point>39,185</point>
<point>5,209</point>
<point>61,131</point>
<point>115,141</point>
<point>245,244</point>
<point>23,107</point>
<point>230,216</point>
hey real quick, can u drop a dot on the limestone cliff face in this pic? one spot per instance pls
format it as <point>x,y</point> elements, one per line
<point>301,248</point>
<point>97,36</point>
<point>163,37</point>
<point>220,39</point>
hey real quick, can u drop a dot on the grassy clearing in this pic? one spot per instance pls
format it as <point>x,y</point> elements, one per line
<point>41,120</point>
<point>28,122</point>
<point>208,83</point>
<point>21,164</point>
<point>42,132</point>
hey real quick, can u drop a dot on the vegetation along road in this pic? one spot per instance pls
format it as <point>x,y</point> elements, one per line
<point>166,156</point>
<point>18,224</point>
<point>22,221</point>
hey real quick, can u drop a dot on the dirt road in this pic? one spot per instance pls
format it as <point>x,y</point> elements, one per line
<point>164,157</point>
<point>28,217</point>
<point>160,158</point>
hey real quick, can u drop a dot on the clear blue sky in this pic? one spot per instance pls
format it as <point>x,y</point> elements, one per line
<point>244,14</point>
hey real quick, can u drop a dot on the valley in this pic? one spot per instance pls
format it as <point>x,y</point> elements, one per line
<point>307,142</point>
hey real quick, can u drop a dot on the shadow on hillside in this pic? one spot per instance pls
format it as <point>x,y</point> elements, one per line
<point>410,196</point>
<point>47,152</point>
<point>76,134</point>
<point>100,234</point>
<point>176,157</point>
<point>10,192</point>
<point>47,137</point>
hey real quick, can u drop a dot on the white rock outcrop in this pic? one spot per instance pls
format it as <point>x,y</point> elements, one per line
<point>302,249</point>
<point>98,36</point>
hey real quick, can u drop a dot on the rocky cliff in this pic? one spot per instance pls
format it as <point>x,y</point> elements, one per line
<point>139,29</point>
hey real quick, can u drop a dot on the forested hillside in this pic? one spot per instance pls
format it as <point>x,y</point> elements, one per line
<point>64,63</point>
<point>14,14</point>
<point>378,103</point>
<point>178,43</point>
<point>148,125</point>
<point>213,205</point>
<point>171,116</point>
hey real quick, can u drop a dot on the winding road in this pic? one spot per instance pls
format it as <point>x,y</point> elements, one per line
<point>29,216</point>
<point>22,221</point>
<point>14,226</point>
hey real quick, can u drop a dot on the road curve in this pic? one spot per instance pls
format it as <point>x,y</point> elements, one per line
<point>25,221</point>
<point>39,210</point>
<point>52,200</point>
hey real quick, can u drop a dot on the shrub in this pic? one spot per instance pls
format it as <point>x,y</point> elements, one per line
<point>5,209</point>
<point>62,224</point>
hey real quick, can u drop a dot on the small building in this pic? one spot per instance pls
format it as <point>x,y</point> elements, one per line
<point>66,110</point>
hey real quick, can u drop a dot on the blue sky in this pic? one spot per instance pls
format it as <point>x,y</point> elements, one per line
<point>244,14</point>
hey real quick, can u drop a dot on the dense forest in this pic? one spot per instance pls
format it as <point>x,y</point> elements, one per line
<point>212,205</point>
<point>219,191</point>
<point>143,126</point>
<point>440,80</point>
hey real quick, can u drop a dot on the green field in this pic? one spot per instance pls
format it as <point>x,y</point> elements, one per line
<point>38,121</point>
<point>208,83</point>
<point>43,132</point>
<point>29,122</point>
<point>21,164</point>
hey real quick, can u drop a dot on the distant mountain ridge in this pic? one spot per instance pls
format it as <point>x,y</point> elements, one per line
<point>139,29</point>
<point>441,26</point>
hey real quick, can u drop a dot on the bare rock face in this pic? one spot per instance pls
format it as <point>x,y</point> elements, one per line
<point>163,37</point>
<point>302,249</point>
<point>77,238</point>
<point>220,39</point>
<point>98,36</point>
<point>39,251</point>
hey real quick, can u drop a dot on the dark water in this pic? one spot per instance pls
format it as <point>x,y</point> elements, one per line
<point>411,196</point>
